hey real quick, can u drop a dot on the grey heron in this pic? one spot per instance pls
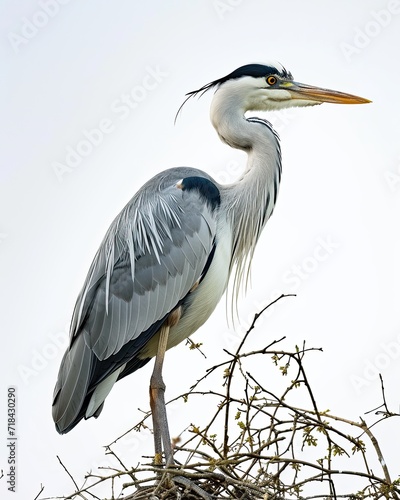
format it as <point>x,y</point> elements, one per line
<point>165,261</point>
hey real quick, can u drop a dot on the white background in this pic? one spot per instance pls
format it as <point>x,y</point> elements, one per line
<point>66,71</point>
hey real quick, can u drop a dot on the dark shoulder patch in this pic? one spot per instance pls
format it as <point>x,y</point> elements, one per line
<point>205,187</point>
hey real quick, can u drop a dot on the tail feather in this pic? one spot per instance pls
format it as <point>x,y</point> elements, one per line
<point>72,385</point>
<point>84,381</point>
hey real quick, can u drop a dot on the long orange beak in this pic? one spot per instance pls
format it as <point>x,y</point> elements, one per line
<point>317,94</point>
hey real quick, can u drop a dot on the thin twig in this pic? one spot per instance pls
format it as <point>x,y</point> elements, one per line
<point>67,471</point>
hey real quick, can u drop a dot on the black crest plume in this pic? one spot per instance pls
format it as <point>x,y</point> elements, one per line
<point>254,70</point>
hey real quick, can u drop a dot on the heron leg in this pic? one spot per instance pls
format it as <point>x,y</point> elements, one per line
<point>162,438</point>
<point>157,402</point>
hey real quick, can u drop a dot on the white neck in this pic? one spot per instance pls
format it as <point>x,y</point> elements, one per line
<point>250,200</point>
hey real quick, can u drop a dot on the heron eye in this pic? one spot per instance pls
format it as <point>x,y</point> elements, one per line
<point>271,80</point>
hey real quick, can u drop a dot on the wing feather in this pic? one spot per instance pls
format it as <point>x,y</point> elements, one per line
<point>152,255</point>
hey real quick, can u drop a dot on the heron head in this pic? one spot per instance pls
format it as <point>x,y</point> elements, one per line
<point>266,87</point>
<point>271,87</point>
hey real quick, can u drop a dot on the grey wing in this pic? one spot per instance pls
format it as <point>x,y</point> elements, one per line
<point>153,254</point>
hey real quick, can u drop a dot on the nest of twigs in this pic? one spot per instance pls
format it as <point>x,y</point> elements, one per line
<point>260,443</point>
